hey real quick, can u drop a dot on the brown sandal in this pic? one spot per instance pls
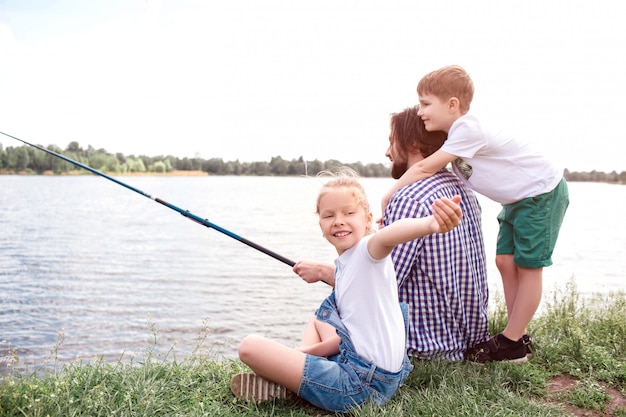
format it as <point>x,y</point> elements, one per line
<point>253,388</point>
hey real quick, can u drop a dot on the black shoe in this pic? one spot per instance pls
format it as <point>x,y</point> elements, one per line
<point>498,348</point>
<point>529,345</point>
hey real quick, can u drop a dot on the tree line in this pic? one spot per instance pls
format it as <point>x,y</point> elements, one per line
<point>27,159</point>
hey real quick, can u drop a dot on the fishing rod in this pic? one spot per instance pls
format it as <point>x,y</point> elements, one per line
<point>186,213</point>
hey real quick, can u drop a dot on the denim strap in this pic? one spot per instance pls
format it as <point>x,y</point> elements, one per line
<point>370,374</point>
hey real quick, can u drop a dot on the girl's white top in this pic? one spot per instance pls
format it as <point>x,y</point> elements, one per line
<point>366,294</point>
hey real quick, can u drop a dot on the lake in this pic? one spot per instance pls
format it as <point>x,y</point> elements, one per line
<point>89,268</point>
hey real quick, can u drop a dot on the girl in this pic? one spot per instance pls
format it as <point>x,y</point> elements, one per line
<point>354,350</point>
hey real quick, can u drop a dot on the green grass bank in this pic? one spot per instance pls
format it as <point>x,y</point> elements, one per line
<point>578,368</point>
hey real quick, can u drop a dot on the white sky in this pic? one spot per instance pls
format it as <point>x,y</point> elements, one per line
<point>250,79</point>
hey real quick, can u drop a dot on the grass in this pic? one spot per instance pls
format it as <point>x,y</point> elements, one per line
<point>580,339</point>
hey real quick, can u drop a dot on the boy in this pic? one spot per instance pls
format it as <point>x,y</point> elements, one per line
<point>532,192</point>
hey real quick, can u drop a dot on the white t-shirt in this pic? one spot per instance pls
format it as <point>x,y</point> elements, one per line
<point>366,295</point>
<point>497,166</point>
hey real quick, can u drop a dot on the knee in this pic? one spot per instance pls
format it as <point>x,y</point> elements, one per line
<point>504,262</point>
<point>248,346</point>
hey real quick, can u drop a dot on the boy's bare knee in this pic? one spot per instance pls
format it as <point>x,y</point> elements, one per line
<point>504,262</point>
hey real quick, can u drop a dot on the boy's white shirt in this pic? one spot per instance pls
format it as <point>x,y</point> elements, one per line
<point>497,166</point>
<point>366,293</point>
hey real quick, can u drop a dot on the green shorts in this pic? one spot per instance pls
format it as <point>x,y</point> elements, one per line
<point>529,228</point>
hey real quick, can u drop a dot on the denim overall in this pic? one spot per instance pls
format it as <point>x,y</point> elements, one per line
<point>346,380</point>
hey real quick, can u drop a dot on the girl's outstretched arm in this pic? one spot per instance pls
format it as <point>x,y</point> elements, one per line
<point>446,216</point>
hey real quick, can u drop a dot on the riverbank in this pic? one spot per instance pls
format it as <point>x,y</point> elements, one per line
<point>578,368</point>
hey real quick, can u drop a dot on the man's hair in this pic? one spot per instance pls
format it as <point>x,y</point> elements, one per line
<point>447,82</point>
<point>410,135</point>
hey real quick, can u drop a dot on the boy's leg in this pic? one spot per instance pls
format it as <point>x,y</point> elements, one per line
<point>273,361</point>
<point>527,236</point>
<point>510,280</point>
<point>525,303</point>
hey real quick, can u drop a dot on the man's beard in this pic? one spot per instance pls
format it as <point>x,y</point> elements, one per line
<point>398,168</point>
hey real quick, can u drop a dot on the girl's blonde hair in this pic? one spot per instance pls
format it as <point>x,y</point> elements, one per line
<point>346,178</point>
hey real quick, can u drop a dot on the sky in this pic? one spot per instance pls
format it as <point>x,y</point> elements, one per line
<point>249,80</point>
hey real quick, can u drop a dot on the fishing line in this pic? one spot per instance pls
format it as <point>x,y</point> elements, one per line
<point>186,213</point>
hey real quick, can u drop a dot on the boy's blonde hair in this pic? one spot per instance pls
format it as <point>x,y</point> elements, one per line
<point>348,179</point>
<point>447,82</point>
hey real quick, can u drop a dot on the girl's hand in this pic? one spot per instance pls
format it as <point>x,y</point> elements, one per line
<point>447,214</point>
<point>314,271</point>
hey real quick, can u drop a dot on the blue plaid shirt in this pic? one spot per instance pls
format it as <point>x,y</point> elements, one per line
<point>442,277</point>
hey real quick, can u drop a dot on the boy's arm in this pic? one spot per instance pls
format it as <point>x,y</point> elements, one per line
<point>446,216</point>
<point>423,169</point>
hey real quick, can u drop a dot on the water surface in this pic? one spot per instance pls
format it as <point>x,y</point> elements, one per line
<point>112,270</point>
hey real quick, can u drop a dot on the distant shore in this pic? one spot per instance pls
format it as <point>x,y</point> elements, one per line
<point>116,174</point>
<point>197,173</point>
